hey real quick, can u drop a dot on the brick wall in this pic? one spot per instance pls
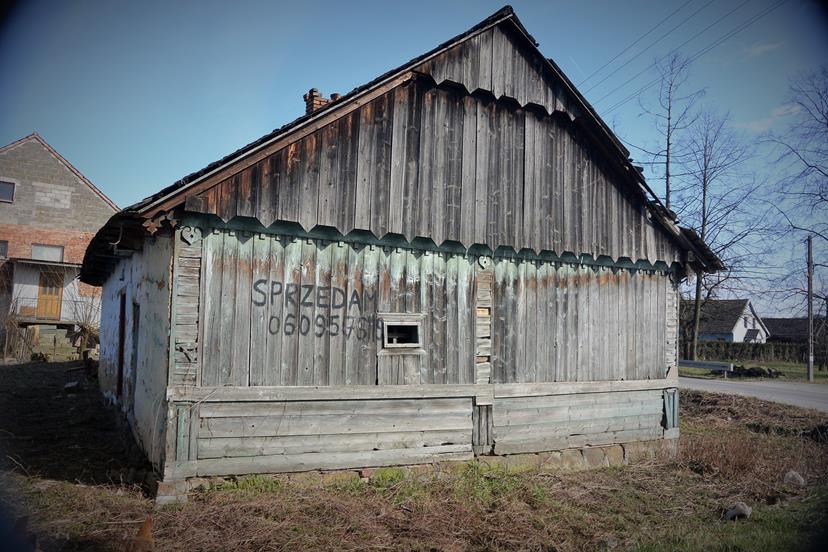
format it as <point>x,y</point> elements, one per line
<point>21,237</point>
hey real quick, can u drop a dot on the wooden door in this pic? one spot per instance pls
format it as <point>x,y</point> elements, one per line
<point>49,295</point>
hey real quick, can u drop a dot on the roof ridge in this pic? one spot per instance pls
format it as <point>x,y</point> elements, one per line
<point>37,137</point>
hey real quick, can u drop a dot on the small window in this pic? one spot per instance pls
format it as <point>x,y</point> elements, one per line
<point>43,252</point>
<point>402,331</point>
<point>399,335</point>
<point>746,321</point>
<point>4,249</point>
<point>6,191</point>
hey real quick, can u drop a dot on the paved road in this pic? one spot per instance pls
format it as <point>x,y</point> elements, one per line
<point>806,395</point>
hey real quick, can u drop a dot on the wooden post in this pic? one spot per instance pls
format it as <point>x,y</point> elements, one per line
<point>810,310</point>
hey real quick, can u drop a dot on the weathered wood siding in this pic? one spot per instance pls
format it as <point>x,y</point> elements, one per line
<point>279,310</point>
<point>539,422</point>
<point>236,430</point>
<point>436,163</point>
<point>492,61</point>
<point>569,322</point>
<point>272,310</point>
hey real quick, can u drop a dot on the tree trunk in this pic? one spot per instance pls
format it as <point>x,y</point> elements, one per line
<point>697,304</point>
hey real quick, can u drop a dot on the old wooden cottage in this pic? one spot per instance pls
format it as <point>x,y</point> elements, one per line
<point>456,258</point>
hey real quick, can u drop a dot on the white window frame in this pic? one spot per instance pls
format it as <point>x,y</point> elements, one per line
<point>402,319</point>
<point>14,182</point>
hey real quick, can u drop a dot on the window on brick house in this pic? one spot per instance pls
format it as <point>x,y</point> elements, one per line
<point>4,249</point>
<point>6,191</point>
<point>43,252</point>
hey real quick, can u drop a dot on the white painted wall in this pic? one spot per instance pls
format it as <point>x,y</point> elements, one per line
<point>748,320</point>
<point>145,280</point>
<point>73,305</point>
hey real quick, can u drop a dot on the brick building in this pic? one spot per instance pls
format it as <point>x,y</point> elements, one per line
<point>48,214</point>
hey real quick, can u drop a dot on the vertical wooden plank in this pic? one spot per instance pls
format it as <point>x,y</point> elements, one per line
<point>306,312</point>
<point>411,198</point>
<point>275,322</point>
<point>228,306</point>
<point>356,259</point>
<point>426,306</point>
<point>438,334</point>
<point>380,175</point>
<point>290,312</point>
<point>347,178</point>
<point>453,125</point>
<point>468,172</point>
<point>484,77</point>
<point>481,174</point>
<point>364,167</point>
<point>398,157</point>
<point>321,327</point>
<point>328,174</point>
<point>439,158</point>
<point>529,202</point>
<point>211,326</point>
<point>530,323</point>
<point>240,361</point>
<point>499,322</point>
<point>562,336</point>
<point>499,62</point>
<point>427,164</point>
<point>453,365</point>
<point>340,270</point>
<point>365,328</point>
<point>465,320</point>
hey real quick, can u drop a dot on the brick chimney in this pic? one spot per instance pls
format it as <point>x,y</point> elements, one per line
<point>314,100</point>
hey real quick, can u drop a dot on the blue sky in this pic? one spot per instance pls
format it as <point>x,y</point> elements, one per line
<point>138,94</point>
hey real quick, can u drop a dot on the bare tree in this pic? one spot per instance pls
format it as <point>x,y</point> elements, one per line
<point>722,203</point>
<point>802,193</point>
<point>804,155</point>
<point>675,113</point>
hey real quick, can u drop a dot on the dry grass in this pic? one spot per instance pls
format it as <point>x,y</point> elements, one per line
<point>732,448</point>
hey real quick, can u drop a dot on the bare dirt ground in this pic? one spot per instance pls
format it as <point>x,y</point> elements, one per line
<point>64,459</point>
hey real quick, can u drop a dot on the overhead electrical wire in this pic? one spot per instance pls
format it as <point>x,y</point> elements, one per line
<point>639,39</point>
<point>700,53</point>
<point>676,49</point>
<point>656,41</point>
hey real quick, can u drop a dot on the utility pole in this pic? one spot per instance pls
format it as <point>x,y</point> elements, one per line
<point>810,311</point>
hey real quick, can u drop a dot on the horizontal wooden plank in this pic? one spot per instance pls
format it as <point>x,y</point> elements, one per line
<point>353,392</point>
<point>261,426</point>
<point>409,407</point>
<point>562,428</point>
<point>538,444</point>
<point>564,414</point>
<point>581,400</point>
<point>572,387</point>
<point>319,461</point>
<point>354,442</point>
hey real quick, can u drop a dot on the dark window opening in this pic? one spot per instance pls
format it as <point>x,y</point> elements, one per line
<point>4,249</point>
<point>6,191</point>
<point>399,335</point>
<point>402,335</point>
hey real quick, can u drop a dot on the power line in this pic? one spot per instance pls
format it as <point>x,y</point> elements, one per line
<point>676,49</point>
<point>639,39</point>
<point>659,39</point>
<point>700,53</point>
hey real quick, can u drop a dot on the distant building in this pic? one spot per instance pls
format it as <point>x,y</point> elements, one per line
<point>48,214</point>
<point>793,330</point>
<point>730,320</point>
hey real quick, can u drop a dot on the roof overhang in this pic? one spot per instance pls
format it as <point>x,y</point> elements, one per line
<point>41,262</point>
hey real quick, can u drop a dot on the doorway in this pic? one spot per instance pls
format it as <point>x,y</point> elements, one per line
<point>49,295</point>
